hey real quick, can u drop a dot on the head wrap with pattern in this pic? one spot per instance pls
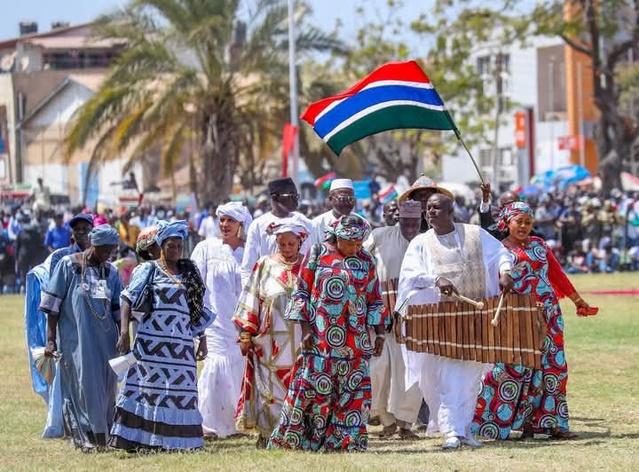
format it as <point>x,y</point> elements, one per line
<point>146,239</point>
<point>510,211</point>
<point>344,229</point>
<point>291,224</point>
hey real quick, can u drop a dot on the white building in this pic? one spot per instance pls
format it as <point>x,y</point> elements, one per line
<point>532,77</point>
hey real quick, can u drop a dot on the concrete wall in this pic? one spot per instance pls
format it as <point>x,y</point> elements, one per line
<point>6,99</point>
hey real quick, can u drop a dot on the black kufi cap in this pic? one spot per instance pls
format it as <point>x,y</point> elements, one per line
<point>283,185</point>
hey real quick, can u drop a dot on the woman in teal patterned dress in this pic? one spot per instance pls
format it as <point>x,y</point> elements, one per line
<point>515,397</point>
<point>157,408</point>
<point>336,300</point>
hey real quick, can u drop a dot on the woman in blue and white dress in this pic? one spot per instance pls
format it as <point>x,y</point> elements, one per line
<point>219,262</point>
<point>158,405</point>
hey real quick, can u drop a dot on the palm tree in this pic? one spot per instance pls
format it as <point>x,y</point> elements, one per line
<point>192,73</point>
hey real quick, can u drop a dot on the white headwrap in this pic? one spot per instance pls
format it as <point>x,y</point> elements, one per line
<point>291,224</point>
<point>237,211</point>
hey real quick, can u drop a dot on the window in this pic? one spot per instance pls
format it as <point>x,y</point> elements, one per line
<point>483,65</point>
<point>485,157</point>
<point>506,157</point>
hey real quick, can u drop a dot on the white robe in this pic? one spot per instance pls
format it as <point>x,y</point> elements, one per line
<point>259,243</point>
<point>390,398</point>
<point>450,386</point>
<point>220,382</point>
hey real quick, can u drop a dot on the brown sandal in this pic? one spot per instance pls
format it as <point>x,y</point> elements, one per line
<point>406,434</point>
<point>388,431</point>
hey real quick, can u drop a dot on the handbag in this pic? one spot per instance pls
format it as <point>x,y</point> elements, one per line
<point>144,303</point>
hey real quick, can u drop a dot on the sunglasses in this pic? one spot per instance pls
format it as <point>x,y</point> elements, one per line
<point>345,199</point>
<point>292,196</point>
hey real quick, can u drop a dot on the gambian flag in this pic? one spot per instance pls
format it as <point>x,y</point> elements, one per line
<point>388,194</point>
<point>324,182</point>
<point>396,95</point>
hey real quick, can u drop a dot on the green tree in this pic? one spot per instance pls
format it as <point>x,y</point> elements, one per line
<point>605,31</point>
<point>194,82</point>
<point>448,39</point>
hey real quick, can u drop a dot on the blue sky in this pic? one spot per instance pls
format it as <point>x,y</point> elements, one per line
<point>80,11</point>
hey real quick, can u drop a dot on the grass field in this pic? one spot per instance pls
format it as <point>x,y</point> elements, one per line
<point>603,357</point>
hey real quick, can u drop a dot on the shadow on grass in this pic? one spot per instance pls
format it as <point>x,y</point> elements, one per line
<point>422,446</point>
<point>235,445</point>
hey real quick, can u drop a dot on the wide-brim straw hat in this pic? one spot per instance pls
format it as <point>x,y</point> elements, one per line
<point>425,182</point>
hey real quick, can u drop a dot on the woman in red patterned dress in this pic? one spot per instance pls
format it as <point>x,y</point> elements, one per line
<point>269,342</point>
<point>515,397</point>
<point>336,301</point>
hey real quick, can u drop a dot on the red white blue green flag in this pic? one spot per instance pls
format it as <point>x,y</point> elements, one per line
<point>324,181</point>
<point>397,95</point>
<point>387,194</point>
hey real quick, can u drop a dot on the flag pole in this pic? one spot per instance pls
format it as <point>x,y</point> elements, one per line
<point>461,140</point>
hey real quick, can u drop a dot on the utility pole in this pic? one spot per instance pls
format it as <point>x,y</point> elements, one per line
<point>580,113</point>
<point>498,110</point>
<point>551,109</point>
<point>292,71</point>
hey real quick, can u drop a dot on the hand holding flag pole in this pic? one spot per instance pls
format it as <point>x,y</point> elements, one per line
<point>397,95</point>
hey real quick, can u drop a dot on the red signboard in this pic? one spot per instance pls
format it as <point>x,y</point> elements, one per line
<point>570,143</point>
<point>520,129</point>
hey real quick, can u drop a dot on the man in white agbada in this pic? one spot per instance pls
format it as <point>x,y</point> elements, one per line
<point>284,201</point>
<point>450,258</point>
<point>395,406</point>
<point>342,198</point>
<point>218,260</point>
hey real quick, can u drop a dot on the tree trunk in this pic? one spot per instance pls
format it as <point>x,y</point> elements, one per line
<point>219,153</point>
<point>613,144</point>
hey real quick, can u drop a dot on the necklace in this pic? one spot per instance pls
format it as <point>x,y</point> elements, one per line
<point>85,288</point>
<point>164,267</point>
<point>287,263</point>
<point>514,243</point>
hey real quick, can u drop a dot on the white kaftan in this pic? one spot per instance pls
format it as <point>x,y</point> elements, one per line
<point>220,382</point>
<point>450,386</point>
<point>390,398</point>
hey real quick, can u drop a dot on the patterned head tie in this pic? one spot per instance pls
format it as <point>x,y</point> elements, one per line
<point>351,228</point>
<point>289,225</point>
<point>146,239</point>
<point>510,211</point>
<point>175,229</point>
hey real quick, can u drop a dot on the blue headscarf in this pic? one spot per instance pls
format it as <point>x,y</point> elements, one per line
<point>104,235</point>
<point>175,229</point>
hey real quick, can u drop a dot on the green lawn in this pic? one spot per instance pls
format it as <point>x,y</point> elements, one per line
<point>603,356</point>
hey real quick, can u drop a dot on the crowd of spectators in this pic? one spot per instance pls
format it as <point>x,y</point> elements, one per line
<point>589,232</point>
